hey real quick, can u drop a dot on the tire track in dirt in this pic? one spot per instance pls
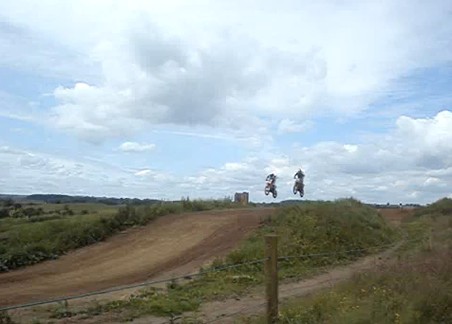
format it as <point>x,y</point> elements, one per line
<point>227,311</point>
<point>171,245</point>
<point>395,216</point>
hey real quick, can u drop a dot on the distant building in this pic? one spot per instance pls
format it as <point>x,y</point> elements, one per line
<point>242,198</point>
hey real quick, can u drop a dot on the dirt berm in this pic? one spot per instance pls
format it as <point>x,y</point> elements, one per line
<point>171,245</point>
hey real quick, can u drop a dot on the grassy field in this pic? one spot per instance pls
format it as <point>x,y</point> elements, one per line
<point>416,287</point>
<point>32,233</point>
<point>331,226</point>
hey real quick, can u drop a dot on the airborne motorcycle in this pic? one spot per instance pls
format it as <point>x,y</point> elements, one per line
<point>271,188</point>
<point>298,187</point>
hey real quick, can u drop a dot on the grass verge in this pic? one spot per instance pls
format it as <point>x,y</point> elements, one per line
<point>416,287</point>
<point>29,240</point>
<point>336,227</point>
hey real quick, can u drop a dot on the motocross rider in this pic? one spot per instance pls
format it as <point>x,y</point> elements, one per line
<point>299,177</point>
<point>272,178</point>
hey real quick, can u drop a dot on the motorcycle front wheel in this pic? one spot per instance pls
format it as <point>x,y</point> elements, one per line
<point>275,193</point>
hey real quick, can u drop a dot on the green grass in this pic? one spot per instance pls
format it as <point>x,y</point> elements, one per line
<point>337,227</point>
<point>29,240</point>
<point>415,292</point>
<point>440,207</point>
<point>317,227</point>
<point>416,287</point>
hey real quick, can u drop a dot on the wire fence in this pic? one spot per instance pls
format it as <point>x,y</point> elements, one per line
<point>286,295</point>
<point>320,254</point>
<point>237,313</point>
<point>137,285</point>
<point>205,272</point>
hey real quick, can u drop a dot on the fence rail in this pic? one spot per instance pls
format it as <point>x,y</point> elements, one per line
<point>269,277</point>
<point>131,286</point>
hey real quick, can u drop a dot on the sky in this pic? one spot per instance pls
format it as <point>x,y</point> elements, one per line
<point>202,99</point>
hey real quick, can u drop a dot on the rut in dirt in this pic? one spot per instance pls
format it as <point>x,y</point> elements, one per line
<point>170,245</point>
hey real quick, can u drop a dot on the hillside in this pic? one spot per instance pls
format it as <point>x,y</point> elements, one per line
<point>347,229</point>
<point>66,199</point>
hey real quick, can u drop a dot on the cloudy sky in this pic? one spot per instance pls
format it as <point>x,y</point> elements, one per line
<point>164,99</point>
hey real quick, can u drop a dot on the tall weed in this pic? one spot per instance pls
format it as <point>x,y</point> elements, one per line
<point>24,242</point>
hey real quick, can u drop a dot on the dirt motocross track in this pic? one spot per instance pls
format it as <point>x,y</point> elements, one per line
<point>171,245</point>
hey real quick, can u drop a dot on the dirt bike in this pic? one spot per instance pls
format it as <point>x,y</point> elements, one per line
<point>271,188</point>
<point>298,187</point>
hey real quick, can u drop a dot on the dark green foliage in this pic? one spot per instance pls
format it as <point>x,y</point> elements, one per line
<point>65,199</point>
<point>339,227</point>
<point>440,207</point>
<point>5,318</point>
<point>30,211</point>
<point>43,237</point>
<point>7,202</point>
<point>317,227</point>
<point>67,211</point>
<point>62,311</point>
<point>415,292</point>
<point>414,288</point>
<point>4,212</point>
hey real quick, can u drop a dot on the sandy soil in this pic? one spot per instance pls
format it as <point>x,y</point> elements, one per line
<point>396,215</point>
<point>229,310</point>
<point>171,245</point>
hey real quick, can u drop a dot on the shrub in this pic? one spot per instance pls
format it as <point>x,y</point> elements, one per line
<point>317,227</point>
<point>414,288</point>
<point>5,318</point>
<point>7,202</point>
<point>339,227</point>
<point>440,207</point>
<point>45,237</point>
<point>4,212</point>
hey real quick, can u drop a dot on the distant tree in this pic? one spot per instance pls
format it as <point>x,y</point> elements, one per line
<point>29,211</point>
<point>18,213</point>
<point>67,211</point>
<point>17,206</point>
<point>8,202</point>
<point>4,212</point>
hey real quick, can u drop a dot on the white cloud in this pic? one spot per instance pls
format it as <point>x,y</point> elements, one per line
<point>290,126</point>
<point>400,166</point>
<point>227,71</point>
<point>26,172</point>
<point>155,179</point>
<point>428,140</point>
<point>30,172</point>
<point>220,64</point>
<point>387,168</point>
<point>136,147</point>
<point>350,148</point>
<point>232,166</point>
<point>144,173</point>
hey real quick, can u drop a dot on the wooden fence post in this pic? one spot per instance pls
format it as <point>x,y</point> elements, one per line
<point>271,277</point>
